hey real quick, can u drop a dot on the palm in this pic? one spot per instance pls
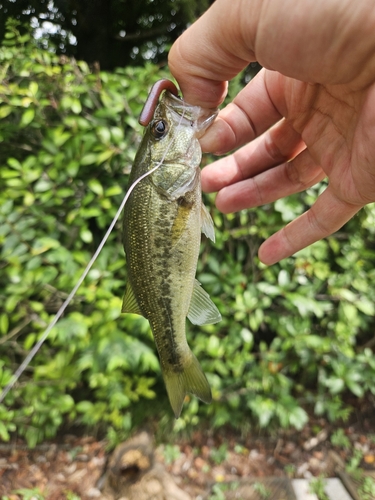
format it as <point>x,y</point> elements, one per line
<point>337,128</point>
<point>299,133</point>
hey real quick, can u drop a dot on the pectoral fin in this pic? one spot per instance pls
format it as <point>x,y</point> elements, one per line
<point>202,310</point>
<point>129,304</point>
<point>208,227</point>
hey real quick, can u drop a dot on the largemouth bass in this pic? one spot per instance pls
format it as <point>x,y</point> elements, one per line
<point>163,220</point>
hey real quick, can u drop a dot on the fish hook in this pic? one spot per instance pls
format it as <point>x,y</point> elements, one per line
<point>153,97</point>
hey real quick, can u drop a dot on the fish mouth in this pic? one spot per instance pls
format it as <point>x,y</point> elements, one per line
<point>199,118</point>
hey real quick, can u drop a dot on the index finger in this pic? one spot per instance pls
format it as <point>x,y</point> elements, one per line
<point>253,111</point>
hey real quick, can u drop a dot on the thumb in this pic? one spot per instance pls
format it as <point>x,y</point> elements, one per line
<point>211,52</point>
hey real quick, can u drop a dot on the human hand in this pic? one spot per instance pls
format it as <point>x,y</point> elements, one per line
<point>310,115</point>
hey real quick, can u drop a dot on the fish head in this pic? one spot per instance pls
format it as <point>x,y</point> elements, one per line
<point>172,139</point>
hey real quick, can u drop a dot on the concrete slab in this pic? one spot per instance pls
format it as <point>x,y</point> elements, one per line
<point>270,488</point>
<point>334,489</point>
<point>302,489</point>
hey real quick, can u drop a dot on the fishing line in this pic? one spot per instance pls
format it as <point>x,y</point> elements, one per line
<point>67,301</point>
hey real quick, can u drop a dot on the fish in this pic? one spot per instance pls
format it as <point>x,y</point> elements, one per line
<point>162,224</point>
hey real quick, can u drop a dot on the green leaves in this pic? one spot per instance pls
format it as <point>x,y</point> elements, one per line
<point>297,326</point>
<point>67,138</point>
<point>299,331</point>
<point>27,117</point>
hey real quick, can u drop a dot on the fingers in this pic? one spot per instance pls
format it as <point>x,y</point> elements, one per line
<point>270,185</point>
<point>254,110</point>
<point>277,145</point>
<point>327,215</point>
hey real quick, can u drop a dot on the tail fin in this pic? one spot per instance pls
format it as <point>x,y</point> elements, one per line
<point>191,379</point>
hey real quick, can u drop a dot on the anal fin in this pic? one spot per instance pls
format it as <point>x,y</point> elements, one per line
<point>129,304</point>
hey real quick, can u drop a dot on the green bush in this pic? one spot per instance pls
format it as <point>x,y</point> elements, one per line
<point>294,336</point>
<point>68,139</point>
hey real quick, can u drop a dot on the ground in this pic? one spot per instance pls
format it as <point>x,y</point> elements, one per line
<point>71,468</point>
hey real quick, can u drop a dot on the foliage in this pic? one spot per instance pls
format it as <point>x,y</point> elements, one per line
<point>171,452</point>
<point>27,494</point>
<point>111,32</point>
<point>219,455</point>
<point>218,490</point>
<point>294,336</point>
<point>262,490</point>
<point>367,488</point>
<point>365,484</point>
<point>340,439</point>
<point>317,486</point>
<point>68,141</point>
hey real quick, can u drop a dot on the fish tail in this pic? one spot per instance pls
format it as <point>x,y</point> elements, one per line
<point>190,380</point>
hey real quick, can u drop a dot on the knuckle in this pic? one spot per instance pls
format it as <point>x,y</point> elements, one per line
<point>293,175</point>
<point>272,149</point>
<point>317,224</point>
<point>257,192</point>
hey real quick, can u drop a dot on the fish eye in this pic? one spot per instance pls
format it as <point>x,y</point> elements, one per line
<point>159,129</point>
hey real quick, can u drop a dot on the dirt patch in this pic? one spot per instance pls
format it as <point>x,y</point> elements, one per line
<point>75,465</point>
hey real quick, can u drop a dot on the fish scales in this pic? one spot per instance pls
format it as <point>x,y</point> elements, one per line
<point>168,270</point>
<point>162,226</point>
